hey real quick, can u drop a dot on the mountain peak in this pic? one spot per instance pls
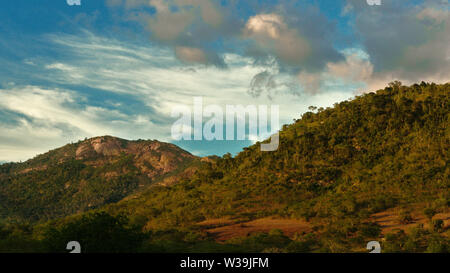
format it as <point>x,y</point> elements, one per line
<point>94,172</point>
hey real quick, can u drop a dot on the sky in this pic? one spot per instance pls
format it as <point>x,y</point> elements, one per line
<point>120,67</point>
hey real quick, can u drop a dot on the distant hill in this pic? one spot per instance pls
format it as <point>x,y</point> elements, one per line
<point>86,175</point>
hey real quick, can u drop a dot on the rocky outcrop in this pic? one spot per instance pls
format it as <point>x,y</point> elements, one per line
<point>103,146</point>
<point>151,157</point>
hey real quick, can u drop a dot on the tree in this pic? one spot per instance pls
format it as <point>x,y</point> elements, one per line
<point>395,84</point>
<point>429,213</point>
<point>97,232</point>
<point>437,224</point>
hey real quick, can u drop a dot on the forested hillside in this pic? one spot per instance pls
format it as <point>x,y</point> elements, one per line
<point>334,168</point>
<point>85,175</point>
<point>380,150</point>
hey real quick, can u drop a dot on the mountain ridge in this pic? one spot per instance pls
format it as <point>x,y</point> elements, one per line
<point>126,166</point>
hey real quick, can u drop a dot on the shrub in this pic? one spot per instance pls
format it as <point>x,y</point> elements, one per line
<point>437,245</point>
<point>370,230</point>
<point>97,233</point>
<point>429,213</point>
<point>405,217</point>
<point>437,225</point>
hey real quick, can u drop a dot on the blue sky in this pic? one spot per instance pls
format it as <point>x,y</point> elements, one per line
<point>119,67</point>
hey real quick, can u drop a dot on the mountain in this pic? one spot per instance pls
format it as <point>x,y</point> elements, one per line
<point>87,175</point>
<point>371,168</point>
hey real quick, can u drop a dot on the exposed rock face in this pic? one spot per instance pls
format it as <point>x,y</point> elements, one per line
<point>105,146</point>
<point>151,157</point>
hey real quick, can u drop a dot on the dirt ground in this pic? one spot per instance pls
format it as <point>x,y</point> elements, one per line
<point>388,220</point>
<point>224,229</point>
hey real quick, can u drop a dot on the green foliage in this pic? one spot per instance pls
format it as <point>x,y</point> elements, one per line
<point>437,225</point>
<point>17,238</point>
<point>438,245</point>
<point>57,184</point>
<point>429,212</point>
<point>97,233</point>
<point>263,242</point>
<point>370,230</point>
<point>417,240</point>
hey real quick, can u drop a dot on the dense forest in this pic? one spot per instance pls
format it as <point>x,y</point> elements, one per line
<point>335,170</point>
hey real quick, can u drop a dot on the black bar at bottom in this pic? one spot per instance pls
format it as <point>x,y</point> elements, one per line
<point>169,263</point>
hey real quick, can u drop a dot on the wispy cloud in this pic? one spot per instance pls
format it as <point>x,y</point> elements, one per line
<point>105,86</point>
<point>41,119</point>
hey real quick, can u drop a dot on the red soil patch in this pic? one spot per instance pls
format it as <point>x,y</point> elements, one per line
<point>230,229</point>
<point>389,220</point>
<point>217,222</point>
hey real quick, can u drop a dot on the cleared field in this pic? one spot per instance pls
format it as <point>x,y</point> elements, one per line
<point>389,220</point>
<point>226,229</point>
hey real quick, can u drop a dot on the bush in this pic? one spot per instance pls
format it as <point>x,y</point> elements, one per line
<point>429,213</point>
<point>97,233</point>
<point>299,247</point>
<point>437,225</point>
<point>394,242</point>
<point>258,242</point>
<point>370,230</point>
<point>437,245</point>
<point>405,218</point>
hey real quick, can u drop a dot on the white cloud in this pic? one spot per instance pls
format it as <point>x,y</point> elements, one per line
<point>50,117</point>
<point>44,119</point>
<point>435,14</point>
<point>355,71</point>
<point>409,43</point>
<point>354,68</point>
<point>191,55</point>
<point>273,35</point>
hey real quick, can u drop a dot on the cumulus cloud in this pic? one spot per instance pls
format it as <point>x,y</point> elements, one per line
<point>406,42</point>
<point>300,37</point>
<point>191,55</point>
<point>208,10</point>
<point>184,25</point>
<point>271,34</point>
<point>355,68</point>
<point>311,82</point>
<point>167,26</point>
<point>355,73</point>
<point>434,14</point>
